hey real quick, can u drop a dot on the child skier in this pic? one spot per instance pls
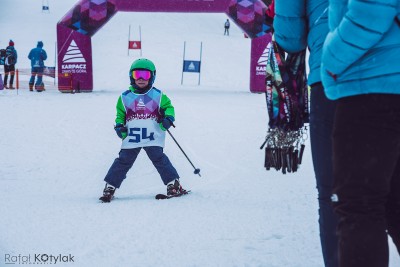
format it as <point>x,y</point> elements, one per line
<point>144,113</point>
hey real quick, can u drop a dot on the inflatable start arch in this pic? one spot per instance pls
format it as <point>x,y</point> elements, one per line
<point>75,29</point>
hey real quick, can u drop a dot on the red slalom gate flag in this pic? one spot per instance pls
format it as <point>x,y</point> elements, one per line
<point>135,45</point>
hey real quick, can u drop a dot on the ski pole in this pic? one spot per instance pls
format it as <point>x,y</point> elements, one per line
<point>196,170</point>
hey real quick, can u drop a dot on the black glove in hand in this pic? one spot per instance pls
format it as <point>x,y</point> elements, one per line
<point>166,123</point>
<point>121,130</point>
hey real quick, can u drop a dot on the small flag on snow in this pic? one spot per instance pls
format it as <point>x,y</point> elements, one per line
<point>191,66</point>
<point>135,45</point>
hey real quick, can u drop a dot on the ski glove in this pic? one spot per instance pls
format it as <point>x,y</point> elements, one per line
<point>166,123</point>
<point>121,130</point>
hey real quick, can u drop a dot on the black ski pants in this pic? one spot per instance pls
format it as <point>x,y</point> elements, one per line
<point>226,32</point>
<point>322,113</point>
<point>366,165</point>
<point>9,70</point>
<point>118,170</point>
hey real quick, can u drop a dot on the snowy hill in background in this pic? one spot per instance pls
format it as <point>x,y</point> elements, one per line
<point>55,150</point>
<point>163,36</point>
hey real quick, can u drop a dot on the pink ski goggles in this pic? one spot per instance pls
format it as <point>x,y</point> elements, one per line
<point>141,74</point>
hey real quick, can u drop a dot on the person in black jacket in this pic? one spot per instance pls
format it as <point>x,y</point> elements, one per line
<point>9,64</point>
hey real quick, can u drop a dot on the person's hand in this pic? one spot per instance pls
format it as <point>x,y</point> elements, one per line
<point>166,123</point>
<point>121,130</point>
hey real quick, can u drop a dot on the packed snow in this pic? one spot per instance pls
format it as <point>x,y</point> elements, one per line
<point>56,148</point>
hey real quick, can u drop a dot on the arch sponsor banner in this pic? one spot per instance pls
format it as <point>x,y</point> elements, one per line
<point>190,6</point>
<point>258,63</point>
<point>75,29</point>
<point>74,62</point>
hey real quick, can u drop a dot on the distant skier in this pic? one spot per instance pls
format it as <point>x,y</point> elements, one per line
<point>37,56</point>
<point>227,26</point>
<point>144,113</point>
<point>9,64</point>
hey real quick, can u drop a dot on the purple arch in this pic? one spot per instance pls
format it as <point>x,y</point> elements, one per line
<point>75,29</point>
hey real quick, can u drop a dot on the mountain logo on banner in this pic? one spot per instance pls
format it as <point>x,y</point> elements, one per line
<point>73,54</point>
<point>263,60</point>
<point>73,60</point>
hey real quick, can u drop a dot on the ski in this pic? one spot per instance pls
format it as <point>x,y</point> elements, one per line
<point>163,196</point>
<point>158,197</point>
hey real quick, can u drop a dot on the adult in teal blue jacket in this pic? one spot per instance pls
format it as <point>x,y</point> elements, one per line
<point>361,52</point>
<point>299,24</point>
<point>361,68</point>
<point>37,56</point>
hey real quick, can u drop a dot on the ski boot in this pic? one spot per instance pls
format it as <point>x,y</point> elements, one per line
<point>175,189</point>
<point>40,88</point>
<point>108,193</point>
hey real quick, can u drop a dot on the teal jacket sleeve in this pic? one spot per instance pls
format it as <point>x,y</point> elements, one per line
<point>360,29</point>
<point>290,25</point>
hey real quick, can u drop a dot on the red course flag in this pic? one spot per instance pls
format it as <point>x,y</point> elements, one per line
<point>135,45</point>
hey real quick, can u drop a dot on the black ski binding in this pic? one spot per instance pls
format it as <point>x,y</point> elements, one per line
<point>164,196</point>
